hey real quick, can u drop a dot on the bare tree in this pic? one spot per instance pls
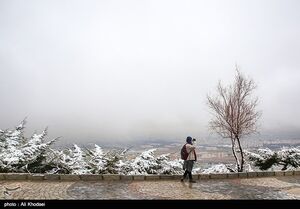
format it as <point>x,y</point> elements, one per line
<point>234,113</point>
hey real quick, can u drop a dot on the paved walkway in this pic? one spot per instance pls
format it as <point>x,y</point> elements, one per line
<point>287,187</point>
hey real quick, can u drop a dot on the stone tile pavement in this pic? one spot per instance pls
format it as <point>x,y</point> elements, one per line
<point>281,187</point>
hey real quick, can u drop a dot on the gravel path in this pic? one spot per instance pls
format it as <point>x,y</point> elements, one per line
<point>287,187</point>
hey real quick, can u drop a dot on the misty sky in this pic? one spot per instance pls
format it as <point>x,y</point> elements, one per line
<point>121,70</point>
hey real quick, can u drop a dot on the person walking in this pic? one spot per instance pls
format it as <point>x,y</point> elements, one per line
<point>189,161</point>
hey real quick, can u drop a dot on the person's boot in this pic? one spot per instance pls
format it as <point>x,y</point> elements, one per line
<point>184,176</point>
<point>191,178</point>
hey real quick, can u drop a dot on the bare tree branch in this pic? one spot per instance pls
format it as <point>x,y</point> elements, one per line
<point>234,112</point>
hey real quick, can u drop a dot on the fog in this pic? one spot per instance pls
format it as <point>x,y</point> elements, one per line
<point>115,71</point>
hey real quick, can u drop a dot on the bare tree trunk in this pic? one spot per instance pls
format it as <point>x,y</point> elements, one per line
<point>242,155</point>
<point>234,153</point>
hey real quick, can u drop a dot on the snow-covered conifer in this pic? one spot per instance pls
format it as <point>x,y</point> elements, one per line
<point>96,159</point>
<point>147,163</point>
<point>21,154</point>
<point>284,159</point>
<point>169,166</point>
<point>218,168</point>
<point>73,161</point>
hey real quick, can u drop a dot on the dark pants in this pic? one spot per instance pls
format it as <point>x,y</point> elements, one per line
<point>187,173</point>
<point>188,167</point>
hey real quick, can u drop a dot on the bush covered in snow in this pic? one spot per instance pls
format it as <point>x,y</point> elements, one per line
<point>284,159</point>
<point>225,168</point>
<point>147,163</point>
<point>219,168</point>
<point>34,155</point>
<point>21,154</point>
<point>88,161</point>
